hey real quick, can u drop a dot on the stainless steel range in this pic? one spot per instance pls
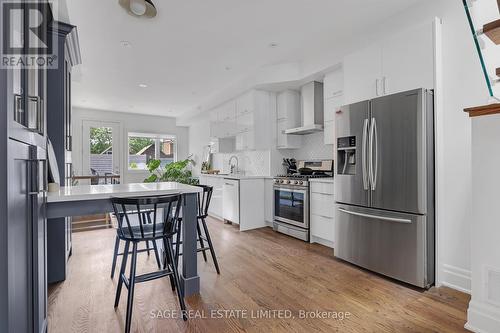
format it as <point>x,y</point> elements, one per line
<point>291,197</point>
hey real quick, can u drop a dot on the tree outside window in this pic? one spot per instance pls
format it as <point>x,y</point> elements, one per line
<point>143,148</point>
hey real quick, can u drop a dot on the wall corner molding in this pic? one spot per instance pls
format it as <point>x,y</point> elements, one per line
<point>482,318</point>
<point>456,278</point>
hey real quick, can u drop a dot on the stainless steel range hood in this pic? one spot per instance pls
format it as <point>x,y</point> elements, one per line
<point>312,110</point>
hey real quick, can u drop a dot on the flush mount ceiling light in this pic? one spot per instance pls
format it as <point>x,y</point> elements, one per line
<point>141,8</point>
<point>142,85</point>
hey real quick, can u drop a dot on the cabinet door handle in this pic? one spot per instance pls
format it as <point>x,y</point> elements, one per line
<point>33,170</point>
<point>37,125</point>
<point>384,85</point>
<point>377,82</point>
<point>18,107</point>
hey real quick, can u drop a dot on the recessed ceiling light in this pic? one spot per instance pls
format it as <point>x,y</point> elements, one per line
<point>126,44</point>
<point>142,85</point>
<point>273,45</point>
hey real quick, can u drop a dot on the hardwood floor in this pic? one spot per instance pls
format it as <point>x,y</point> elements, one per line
<point>260,270</point>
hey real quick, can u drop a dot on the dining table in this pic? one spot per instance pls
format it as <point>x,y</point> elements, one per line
<point>95,199</point>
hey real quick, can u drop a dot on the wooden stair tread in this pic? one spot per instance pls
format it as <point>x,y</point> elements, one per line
<point>492,30</point>
<point>483,110</point>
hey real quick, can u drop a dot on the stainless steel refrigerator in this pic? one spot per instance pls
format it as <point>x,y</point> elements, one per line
<point>384,186</point>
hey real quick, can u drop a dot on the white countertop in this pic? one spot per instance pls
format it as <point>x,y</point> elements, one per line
<point>237,176</point>
<point>93,192</point>
<point>321,180</point>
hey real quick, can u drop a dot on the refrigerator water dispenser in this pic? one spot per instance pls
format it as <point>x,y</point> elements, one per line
<point>346,155</point>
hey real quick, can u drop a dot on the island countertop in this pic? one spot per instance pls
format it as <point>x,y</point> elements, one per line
<point>93,192</point>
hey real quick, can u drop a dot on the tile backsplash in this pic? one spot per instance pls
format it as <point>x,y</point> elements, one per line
<point>313,148</point>
<point>253,163</point>
<point>269,162</point>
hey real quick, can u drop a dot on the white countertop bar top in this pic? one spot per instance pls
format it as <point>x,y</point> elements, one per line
<point>95,192</point>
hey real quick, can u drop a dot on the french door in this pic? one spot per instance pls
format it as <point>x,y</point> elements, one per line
<point>101,148</point>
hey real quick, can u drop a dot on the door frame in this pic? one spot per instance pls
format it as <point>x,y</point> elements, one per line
<point>117,142</point>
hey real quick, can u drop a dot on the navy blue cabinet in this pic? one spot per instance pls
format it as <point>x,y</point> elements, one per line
<point>23,183</point>
<point>59,132</point>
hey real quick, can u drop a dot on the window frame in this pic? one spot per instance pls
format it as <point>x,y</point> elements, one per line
<point>157,139</point>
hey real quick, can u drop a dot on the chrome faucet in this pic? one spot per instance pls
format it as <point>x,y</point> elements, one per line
<point>232,166</point>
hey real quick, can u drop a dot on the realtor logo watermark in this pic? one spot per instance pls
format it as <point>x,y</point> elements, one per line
<point>24,41</point>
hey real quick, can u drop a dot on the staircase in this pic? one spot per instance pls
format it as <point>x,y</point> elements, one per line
<point>486,15</point>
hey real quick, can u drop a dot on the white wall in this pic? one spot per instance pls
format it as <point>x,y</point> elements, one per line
<point>129,123</point>
<point>199,137</point>
<point>484,308</point>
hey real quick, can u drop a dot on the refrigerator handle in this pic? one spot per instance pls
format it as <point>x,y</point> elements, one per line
<point>384,218</point>
<point>374,146</point>
<point>363,155</point>
<point>370,154</point>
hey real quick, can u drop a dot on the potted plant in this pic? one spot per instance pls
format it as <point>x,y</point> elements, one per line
<point>173,172</point>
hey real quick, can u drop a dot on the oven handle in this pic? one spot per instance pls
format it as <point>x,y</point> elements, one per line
<point>304,190</point>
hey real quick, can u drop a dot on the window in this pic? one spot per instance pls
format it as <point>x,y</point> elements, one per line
<point>144,147</point>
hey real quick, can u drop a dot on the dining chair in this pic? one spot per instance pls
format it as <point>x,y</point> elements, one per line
<point>134,221</point>
<point>204,199</point>
<point>158,218</point>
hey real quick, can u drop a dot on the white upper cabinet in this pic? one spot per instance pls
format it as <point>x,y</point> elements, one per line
<point>245,122</point>
<point>254,113</point>
<point>362,74</point>
<point>408,60</point>
<point>398,63</point>
<point>245,103</point>
<point>288,116</point>
<point>289,107</point>
<point>333,84</point>
<point>331,106</point>
<point>227,111</point>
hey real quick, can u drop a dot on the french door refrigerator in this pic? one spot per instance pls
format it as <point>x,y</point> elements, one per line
<point>384,186</point>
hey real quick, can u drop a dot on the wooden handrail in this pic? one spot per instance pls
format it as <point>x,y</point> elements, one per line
<point>483,110</point>
<point>492,30</point>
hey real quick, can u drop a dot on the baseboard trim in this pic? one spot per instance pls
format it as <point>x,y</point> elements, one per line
<point>456,278</point>
<point>482,318</point>
<point>321,241</point>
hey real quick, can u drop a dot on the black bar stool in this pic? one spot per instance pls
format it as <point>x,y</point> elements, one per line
<point>203,204</point>
<point>152,228</point>
<point>146,216</point>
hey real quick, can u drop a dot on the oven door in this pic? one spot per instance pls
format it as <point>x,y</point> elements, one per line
<point>291,205</point>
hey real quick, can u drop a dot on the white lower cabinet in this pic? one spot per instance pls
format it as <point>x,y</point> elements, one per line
<point>269,200</point>
<point>322,213</point>
<point>215,208</point>
<point>240,201</point>
<point>231,200</point>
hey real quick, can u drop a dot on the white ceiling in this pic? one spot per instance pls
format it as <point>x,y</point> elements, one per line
<point>195,48</point>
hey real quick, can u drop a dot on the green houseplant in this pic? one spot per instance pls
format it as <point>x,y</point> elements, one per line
<point>173,172</point>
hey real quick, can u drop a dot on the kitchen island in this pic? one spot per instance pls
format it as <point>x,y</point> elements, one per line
<point>95,199</point>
